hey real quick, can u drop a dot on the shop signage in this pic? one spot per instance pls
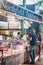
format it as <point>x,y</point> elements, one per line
<point>22,11</point>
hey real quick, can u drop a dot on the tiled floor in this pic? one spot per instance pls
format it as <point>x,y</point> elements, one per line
<point>36,62</point>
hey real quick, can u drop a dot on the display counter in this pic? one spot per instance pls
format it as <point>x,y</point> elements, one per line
<point>12,54</point>
<point>14,59</point>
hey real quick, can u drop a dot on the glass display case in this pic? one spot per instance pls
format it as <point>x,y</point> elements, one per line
<point>11,53</point>
<point>11,47</point>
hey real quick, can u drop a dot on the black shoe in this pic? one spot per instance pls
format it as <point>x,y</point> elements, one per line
<point>31,62</point>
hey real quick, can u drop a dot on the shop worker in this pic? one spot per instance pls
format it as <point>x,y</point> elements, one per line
<point>18,36</point>
<point>33,38</point>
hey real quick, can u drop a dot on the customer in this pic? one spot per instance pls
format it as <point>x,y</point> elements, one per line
<point>39,46</point>
<point>33,38</point>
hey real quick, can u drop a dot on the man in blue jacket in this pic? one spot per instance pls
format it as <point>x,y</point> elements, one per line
<point>33,38</point>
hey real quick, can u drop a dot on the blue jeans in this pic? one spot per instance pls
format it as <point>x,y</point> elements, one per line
<point>32,53</point>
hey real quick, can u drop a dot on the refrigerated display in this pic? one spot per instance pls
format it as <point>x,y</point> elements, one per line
<point>10,47</point>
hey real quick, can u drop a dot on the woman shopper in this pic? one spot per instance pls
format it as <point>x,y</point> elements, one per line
<point>39,46</point>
